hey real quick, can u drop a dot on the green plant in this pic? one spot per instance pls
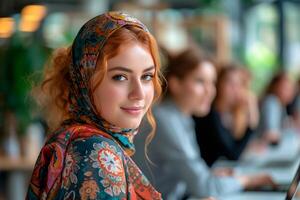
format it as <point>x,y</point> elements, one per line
<point>24,55</point>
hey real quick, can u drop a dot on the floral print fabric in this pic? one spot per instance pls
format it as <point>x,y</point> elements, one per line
<point>89,158</point>
<point>82,162</point>
<point>86,48</point>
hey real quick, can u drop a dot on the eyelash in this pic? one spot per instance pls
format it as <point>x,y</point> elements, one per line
<point>147,75</point>
<point>118,77</point>
<point>200,80</point>
<point>144,77</point>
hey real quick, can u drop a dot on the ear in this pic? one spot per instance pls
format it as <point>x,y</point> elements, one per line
<point>174,85</point>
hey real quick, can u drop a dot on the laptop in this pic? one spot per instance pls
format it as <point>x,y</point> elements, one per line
<point>262,195</point>
<point>293,186</point>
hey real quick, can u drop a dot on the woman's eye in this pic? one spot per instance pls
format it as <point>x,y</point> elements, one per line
<point>147,77</point>
<point>200,80</point>
<point>119,78</point>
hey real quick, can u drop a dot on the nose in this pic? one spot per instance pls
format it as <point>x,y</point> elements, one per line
<point>136,90</point>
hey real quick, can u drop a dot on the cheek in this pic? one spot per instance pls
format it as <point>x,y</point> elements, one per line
<point>288,93</point>
<point>210,93</point>
<point>108,98</point>
<point>229,92</point>
<point>228,89</point>
<point>149,94</point>
<point>195,93</point>
<point>198,91</point>
<point>213,91</point>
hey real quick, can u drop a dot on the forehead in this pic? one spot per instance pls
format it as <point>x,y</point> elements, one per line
<point>204,70</point>
<point>234,75</point>
<point>132,55</point>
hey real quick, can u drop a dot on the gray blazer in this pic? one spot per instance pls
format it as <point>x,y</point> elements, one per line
<point>178,167</point>
<point>272,116</point>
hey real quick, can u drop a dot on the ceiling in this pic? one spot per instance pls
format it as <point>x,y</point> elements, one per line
<point>10,7</point>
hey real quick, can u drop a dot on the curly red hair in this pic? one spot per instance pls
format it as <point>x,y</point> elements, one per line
<point>53,93</point>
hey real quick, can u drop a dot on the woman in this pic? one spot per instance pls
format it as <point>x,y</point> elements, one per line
<point>280,93</point>
<point>293,109</point>
<point>226,130</point>
<point>178,169</point>
<point>96,92</point>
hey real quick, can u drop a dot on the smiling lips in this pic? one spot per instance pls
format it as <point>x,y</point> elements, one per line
<point>135,110</point>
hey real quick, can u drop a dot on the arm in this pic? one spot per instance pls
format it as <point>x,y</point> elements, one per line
<point>245,114</point>
<point>253,111</point>
<point>271,114</point>
<point>229,146</point>
<point>184,160</point>
<point>93,169</point>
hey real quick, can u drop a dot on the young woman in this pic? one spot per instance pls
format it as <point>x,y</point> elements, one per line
<point>95,93</point>
<point>178,169</point>
<point>279,94</point>
<point>294,107</point>
<point>226,130</point>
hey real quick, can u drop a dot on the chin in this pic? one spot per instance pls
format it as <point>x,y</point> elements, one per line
<point>202,112</point>
<point>130,125</point>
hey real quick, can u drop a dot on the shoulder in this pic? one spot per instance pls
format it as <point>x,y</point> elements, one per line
<point>271,104</point>
<point>85,139</point>
<point>166,111</point>
<point>271,99</point>
<point>79,133</point>
<point>96,145</point>
<point>161,109</point>
<point>95,161</point>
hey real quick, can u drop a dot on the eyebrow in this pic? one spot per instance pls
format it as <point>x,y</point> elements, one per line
<point>125,69</point>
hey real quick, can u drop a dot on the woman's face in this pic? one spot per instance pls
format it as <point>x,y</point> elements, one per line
<point>232,88</point>
<point>127,90</point>
<point>198,89</point>
<point>286,91</point>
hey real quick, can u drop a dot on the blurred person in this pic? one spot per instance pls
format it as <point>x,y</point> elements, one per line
<point>226,130</point>
<point>279,94</point>
<point>178,169</point>
<point>96,93</point>
<point>294,107</point>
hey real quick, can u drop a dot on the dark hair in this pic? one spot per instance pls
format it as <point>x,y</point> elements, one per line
<point>224,72</point>
<point>275,81</point>
<point>184,63</point>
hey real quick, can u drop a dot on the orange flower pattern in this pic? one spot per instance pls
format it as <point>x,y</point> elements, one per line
<point>89,190</point>
<point>107,159</point>
<point>82,162</point>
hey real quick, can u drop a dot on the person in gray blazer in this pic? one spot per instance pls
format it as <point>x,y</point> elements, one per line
<point>176,167</point>
<point>274,118</point>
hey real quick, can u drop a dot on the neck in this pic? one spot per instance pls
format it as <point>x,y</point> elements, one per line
<point>182,106</point>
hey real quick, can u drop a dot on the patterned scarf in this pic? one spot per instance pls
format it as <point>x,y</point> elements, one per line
<point>54,172</point>
<point>85,51</point>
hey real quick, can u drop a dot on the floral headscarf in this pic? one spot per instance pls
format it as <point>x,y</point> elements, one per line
<point>85,52</point>
<point>85,158</point>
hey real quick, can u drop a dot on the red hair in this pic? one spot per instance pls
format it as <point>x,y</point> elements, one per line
<point>53,93</point>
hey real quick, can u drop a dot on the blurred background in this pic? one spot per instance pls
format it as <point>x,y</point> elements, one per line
<point>263,35</point>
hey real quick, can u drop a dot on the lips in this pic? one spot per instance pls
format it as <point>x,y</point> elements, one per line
<point>134,110</point>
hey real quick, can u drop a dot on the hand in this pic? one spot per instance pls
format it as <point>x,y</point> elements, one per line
<point>242,98</point>
<point>223,171</point>
<point>256,181</point>
<point>272,138</point>
<point>257,146</point>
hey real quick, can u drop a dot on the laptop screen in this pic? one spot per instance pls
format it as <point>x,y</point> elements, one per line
<point>293,186</point>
